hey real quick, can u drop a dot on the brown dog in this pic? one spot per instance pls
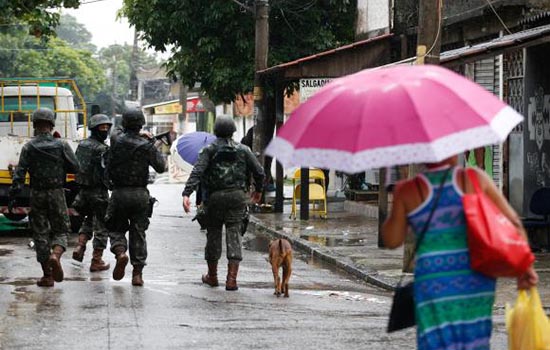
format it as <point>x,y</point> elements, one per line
<point>280,255</point>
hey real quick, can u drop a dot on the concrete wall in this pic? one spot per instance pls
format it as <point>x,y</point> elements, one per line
<point>373,17</point>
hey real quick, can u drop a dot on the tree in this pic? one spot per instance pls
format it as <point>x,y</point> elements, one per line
<point>22,55</point>
<point>36,13</point>
<point>74,33</point>
<point>212,42</point>
<point>116,62</point>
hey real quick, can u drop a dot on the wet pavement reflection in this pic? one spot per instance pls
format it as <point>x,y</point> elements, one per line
<point>327,309</point>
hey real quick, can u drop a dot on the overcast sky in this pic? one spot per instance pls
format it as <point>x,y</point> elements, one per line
<point>100,19</point>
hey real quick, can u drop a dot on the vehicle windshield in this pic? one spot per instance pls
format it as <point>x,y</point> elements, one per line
<point>10,104</point>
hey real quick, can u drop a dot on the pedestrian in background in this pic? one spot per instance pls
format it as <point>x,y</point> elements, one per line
<point>453,303</point>
<point>130,205</point>
<point>47,160</point>
<point>248,140</point>
<point>93,197</point>
<point>225,166</point>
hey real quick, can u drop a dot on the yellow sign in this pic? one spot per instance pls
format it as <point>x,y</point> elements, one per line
<point>172,108</point>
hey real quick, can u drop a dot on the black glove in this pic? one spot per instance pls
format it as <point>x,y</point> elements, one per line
<point>12,201</point>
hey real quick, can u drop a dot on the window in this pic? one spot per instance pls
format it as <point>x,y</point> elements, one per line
<point>28,105</point>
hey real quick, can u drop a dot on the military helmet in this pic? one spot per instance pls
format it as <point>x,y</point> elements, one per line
<point>133,117</point>
<point>44,114</point>
<point>224,126</point>
<point>97,120</point>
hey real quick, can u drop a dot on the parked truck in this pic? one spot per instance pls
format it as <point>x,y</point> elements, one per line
<point>18,99</point>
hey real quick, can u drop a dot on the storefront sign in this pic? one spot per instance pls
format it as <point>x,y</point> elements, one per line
<point>308,87</point>
<point>194,105</point>
<point>172,108</point>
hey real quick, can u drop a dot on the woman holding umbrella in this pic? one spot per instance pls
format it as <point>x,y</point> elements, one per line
<point>454,304</point>
<point>425,115</point>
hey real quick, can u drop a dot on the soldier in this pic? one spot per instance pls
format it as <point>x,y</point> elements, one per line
<point>92,200</point>
<point>130,205</point>
<point>47,160</point>
<point>226,167</point>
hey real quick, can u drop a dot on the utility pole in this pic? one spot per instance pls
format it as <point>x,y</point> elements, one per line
<point>261,11</point>
<point>428,49</point>
<point>133,69</point>
<point>430,19</point>
<point>113,91</point>
<point>182,116</point>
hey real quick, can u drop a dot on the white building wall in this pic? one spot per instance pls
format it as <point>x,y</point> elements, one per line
<point>373,17</point>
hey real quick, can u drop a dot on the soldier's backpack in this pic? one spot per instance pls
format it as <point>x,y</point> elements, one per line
<point>226,169</point>
<point>91,159</point>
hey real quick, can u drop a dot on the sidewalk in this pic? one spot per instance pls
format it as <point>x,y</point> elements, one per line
<point>348,239</point>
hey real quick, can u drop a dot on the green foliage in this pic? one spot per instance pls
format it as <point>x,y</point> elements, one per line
<point>212,42</point>
<point>74,33</point>
<point>22,55</point>
<point>116,61</point>
<point>36,13</point>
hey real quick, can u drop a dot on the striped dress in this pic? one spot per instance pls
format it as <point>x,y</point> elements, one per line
<point>453,303</point>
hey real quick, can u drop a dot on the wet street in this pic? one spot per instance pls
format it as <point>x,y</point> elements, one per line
<point>174,310</point>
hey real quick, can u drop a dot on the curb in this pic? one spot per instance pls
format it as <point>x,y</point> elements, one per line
<point>255,225</point>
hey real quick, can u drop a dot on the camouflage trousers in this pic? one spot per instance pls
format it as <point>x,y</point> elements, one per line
<point>94,207</point>
<point>49,221</point>
<point>127,212</point>
<point>224,207</point>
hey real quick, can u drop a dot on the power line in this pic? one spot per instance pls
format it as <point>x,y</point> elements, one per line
<point>496,14</point>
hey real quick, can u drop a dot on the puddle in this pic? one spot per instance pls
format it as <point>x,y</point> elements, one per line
<point>344,295</point>
<point>77,279</point>
<point>335,242</point>
<point>170,216</point>
<point>259,243</point>
<point>20,282</point>
<point>4,252</point>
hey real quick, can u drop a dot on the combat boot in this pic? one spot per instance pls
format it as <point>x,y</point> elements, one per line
<point>232,271</point>
<point>137,275</point>
<point>55,263</point>
<point>47,279</point>
<point>121,262</point>
<point>97,263</point>
<point>78,253</point>
<point>211,278</point>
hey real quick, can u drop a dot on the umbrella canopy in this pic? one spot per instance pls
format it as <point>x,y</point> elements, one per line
<point>392,116</point>
<point>186,148</point>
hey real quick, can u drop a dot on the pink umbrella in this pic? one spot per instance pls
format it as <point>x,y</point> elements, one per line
<point>392,116</point>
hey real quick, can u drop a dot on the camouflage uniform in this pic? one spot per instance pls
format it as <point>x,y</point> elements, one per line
<point>47,160</point>
<point>93,196</point>
<point>128,164</point>
<point>225,167</point>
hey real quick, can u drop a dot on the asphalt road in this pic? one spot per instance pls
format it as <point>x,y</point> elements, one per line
<point>174,310</point>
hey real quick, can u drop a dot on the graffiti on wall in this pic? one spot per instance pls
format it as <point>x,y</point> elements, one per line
<point>538,119</point>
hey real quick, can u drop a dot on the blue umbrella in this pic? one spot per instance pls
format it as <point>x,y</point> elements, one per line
<point>189,145</point>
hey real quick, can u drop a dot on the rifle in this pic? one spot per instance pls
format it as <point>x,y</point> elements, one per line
<point>164,138</point>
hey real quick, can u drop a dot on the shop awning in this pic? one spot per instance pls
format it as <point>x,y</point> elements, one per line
<point>337,62</point>
<point>515,41</point>
<point>375,52</point>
